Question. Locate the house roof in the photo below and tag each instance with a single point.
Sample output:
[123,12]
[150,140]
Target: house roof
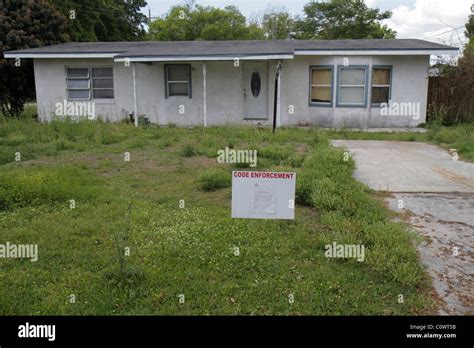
[231,49]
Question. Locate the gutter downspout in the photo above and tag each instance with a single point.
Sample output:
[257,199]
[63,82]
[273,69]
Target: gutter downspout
[135,105]
[204,75]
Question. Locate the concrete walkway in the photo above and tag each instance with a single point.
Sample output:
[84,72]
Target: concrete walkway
[439,194]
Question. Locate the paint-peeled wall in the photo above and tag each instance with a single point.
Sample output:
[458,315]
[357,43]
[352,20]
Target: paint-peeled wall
[224,92]
[224,87]
[50,80]
[409,85]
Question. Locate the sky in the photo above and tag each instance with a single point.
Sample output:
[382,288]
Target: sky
[435,20]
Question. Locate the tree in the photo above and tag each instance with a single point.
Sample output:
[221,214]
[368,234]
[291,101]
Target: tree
[469,48]
[277,24]
[455,87]
[24,24]
[105,20]
[194,22]
[343,19]
[470,27]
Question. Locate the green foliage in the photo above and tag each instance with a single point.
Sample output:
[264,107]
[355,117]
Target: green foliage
[277,24]
[172,248]
[33,185]
[190,23]
[469,32]
[24,24]
[105,20]
[343,19]
[456,91]
[438,115]
[354,217]
[188,150]
[31,138]
[214,179]
[276,153]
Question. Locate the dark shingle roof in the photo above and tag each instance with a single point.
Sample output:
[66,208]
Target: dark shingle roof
[226,48]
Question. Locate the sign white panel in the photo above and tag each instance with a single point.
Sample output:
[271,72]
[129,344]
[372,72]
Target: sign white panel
[263,195]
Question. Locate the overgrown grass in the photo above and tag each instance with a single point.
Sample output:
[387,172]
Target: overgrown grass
[28,186]
[213,179]
[181,237]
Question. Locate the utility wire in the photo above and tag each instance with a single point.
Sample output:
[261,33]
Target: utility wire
[445,32]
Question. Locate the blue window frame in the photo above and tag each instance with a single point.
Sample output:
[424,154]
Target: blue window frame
[352,86]
[381,87]
[321,80]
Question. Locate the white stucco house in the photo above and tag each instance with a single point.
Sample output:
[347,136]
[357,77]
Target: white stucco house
[330,83]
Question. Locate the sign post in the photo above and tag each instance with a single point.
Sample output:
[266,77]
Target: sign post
[263,195]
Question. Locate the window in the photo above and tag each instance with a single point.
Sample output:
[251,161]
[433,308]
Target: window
[102,83]
[352,86]
[78,83]
[89,83]
[321,78]
[178,80]
[381,85]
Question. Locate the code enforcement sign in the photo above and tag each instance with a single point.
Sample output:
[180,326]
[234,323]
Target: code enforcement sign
[263,195]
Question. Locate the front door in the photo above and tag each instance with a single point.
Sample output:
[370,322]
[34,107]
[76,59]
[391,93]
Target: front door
[255,90]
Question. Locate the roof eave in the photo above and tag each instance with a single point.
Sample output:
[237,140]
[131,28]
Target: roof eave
[376,52]
[190,58]
[17,54]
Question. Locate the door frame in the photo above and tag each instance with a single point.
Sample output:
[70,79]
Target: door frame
[267,90]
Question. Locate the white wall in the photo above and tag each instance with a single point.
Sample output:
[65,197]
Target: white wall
[225,92]
[409,84]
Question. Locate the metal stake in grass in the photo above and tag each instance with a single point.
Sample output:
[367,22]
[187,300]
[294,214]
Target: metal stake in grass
[276,95]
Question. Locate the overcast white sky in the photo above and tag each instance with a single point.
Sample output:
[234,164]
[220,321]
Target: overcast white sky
[433,20]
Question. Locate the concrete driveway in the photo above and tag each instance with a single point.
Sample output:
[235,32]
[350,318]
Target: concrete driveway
[439,194]
[399,166]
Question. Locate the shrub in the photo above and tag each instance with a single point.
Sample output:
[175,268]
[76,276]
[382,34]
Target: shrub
[214,179]
[188,151]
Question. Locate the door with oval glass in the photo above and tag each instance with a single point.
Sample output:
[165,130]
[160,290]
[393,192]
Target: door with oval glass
[255,90]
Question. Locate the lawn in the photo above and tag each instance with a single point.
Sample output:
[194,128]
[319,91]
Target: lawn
[190,250]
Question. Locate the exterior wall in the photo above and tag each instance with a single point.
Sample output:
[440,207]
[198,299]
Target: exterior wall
[225,92]
[409,84]
[50,79]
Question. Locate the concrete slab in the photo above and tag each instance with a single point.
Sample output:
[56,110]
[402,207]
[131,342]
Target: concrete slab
[398,166]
